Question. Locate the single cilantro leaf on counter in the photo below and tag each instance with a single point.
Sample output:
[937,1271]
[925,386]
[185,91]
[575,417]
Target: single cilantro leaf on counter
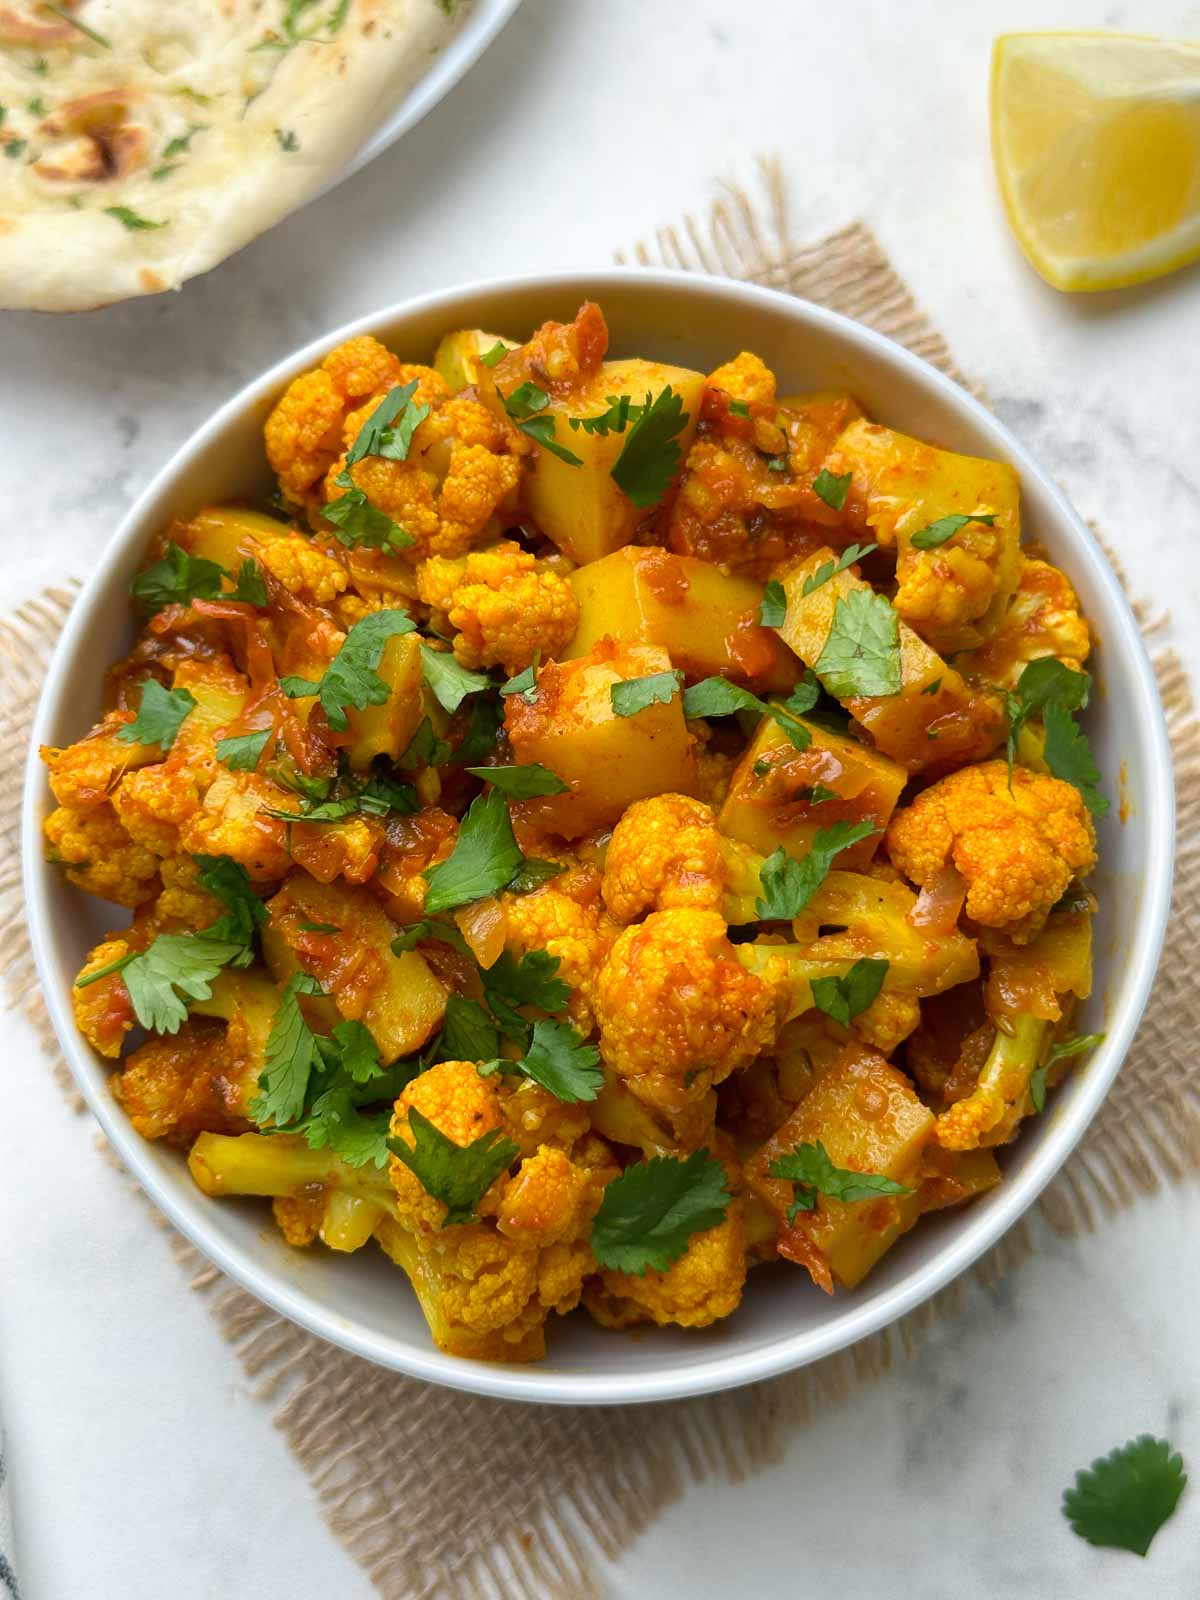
[457,1175]
[523,782]
[1122,1500]
[790,884]
[161,714]
[717,697]
[936,534]
[350,680]
[845,997]
[249,585]
[449,682]
[832,487]
[650,1212]
[830,569]
[651,454]
[808,1166]
[176,579]
[558,1059]
[485,857]
[773,611]
[635,694]
[862,652]
[357,522]
[292,1056]
[1048,689]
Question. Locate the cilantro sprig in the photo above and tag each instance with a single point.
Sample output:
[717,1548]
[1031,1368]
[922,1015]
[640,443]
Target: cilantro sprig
[832,487]
[861,655]
[649,1214]
[809,1167]
[559,1060]
[457,1175]
[387,432]
[1052,691]
[788,884]
[449,682]
[243,751]
[651,453]
[350,680]
[937,533]
[1122,1500]
[636,694]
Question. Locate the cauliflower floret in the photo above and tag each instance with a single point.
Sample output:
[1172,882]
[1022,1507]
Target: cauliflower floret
[1042,620]
[746,378]
[715,773]
[85,773]
[100,856]
[463,1106]
[944,590]
[178,1087]
[503,605]
[664,853]
[183,903]
[703,1286]
[566,920]
[302,569]
[154,804]
[103,1011]
[232,822]
[304,432]
[1018,850]
[677,1010]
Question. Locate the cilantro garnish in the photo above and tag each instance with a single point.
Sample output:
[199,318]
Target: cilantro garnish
[14,148]
[249,585]
[533,873]
[635,694]
[1123,1498]
[130,219]
[861,656]
[523,405]
[350,680]
[832,487]
[161,713]
[81,27]
[468,1033]
[389,429]
[495,355]
[739,408]
[524,682]
[357,522]
[788,884]
[614,420]
[808,1166]
[844,998]
[425,749]
[772,613]
[830,569]
[243,752]
[288,142]
[558,1059]
[182,142]
[717,697]
[485,857]
[523,782]
[457,1175]
[244,911]
[932,688]
[936,534]
[804,696]
[1054,692]
[777,463]
[292,1056]
[176,579]
[649,1214]
[482,731]
[1059,1052]
[531,981]
[450,682]
[650,455]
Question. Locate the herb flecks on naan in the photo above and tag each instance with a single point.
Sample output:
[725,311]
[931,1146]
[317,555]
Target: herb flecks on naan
[143,141]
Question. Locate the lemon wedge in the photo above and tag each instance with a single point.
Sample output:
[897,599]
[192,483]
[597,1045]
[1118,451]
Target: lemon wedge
[1096,140]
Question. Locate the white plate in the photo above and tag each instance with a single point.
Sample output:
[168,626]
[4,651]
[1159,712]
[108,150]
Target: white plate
[362,1303]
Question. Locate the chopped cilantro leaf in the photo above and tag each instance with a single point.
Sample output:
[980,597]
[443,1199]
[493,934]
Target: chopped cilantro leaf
[521,783]
[559,1060]
[808,1166]
[425,749]
[777,463]
[717,697]
[131,221]
[531,981]
[350,680]
[789,885]
[773,610]
[288,142]
[532,874]
[485,857]
[357,522]
[830,569]
[524,406]
[292,1056]
[161,713]
[496,354]
[739,408]
[615,419]
[542,429]
[635,694]
[182,142]
[249,585]
[468,1033]
[457,1175]
[861,656]
[832,487]
[1054,692]
[932,688]
[243,752]
[523,682]
[176,579]
[844,998]
[651,454]
[936,534]
[450,682]
[649,1214]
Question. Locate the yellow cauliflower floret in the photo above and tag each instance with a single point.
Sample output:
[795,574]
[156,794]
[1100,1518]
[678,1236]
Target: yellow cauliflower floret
[85,773]
[155,803]
[547,1200]
[299,1217]
[462,1105]
[566,920]
[174,1088]
[888,1020]
[465,422]
[183,903]
[664,853]
[703,1286]
[1042,620]
[476,485]
[1018,850]
[677,1010]
[302,569]
[747,378]
[100,856]
[714,772]
[948,588]
[103,1013]
[503,605]
[303,434]
[232,822]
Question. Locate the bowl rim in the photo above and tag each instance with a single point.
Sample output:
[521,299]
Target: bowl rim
[979,1229]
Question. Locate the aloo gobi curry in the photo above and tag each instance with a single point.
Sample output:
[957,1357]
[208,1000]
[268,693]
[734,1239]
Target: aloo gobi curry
[600,827]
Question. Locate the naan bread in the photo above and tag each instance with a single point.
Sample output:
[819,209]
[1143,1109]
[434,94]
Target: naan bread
[143,141]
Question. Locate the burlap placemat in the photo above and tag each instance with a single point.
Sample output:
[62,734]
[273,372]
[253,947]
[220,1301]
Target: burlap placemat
[521,1501]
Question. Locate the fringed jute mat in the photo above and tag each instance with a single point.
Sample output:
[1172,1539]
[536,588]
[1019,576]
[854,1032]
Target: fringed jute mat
[514,1501]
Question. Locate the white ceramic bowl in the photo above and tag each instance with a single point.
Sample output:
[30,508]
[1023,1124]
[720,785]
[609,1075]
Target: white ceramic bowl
[361,1302]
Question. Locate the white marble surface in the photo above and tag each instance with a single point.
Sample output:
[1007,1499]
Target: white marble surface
[142,1465]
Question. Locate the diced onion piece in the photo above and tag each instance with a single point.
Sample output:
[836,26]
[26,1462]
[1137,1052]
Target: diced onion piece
[940,901]
[483,926]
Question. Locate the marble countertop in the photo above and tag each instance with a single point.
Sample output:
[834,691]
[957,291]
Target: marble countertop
[142,1465]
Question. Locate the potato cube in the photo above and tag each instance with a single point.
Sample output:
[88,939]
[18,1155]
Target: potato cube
[396,997]
[867,1117]
[706,619]
[955,595]
[220,694]
[581,508]
[457,356]
[386,730]
[771,794]
[608,761]
[936,721]
[227,534]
